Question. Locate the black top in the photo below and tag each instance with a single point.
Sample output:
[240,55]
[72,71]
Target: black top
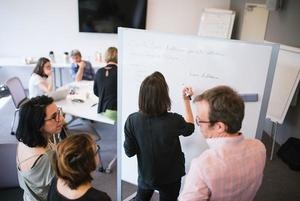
[155,141]
[105,87]
[91,195]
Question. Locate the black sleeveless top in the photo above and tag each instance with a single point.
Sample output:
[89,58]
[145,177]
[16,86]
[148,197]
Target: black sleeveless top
[91,195]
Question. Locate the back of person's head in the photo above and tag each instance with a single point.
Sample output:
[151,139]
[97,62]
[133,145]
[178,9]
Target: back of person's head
[225,105]
[39,68]
[75,53]
[74,160]
[31,121]
[154,97]
[111,55]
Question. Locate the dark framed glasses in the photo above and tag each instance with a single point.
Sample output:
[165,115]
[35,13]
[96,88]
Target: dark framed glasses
[198,121]
[56,116]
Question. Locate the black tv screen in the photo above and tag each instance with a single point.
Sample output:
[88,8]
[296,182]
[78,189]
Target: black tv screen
[104,16]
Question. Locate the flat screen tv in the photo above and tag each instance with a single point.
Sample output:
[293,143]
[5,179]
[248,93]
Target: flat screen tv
[105,16]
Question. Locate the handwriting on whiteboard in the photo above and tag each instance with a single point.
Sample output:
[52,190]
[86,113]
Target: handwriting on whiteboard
[152,49]
[204,75]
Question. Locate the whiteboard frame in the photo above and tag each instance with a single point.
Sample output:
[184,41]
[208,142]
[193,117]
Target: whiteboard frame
[280,119]
[263,109]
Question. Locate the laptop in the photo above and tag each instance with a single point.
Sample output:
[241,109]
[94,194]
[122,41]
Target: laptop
[59,94]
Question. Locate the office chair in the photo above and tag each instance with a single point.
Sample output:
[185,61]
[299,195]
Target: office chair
[18,95]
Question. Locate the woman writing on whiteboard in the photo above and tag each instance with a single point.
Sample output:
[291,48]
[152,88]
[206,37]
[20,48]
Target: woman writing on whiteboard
[105,85]
[40,81]
[152,134]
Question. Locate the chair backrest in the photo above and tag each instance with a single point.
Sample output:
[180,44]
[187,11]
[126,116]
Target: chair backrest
[17,91]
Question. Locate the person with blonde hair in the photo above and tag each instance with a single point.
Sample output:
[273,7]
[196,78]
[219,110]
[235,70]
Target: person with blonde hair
[75,158]
[105,85]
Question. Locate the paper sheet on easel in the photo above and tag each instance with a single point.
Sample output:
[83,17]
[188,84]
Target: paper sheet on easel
[216,23]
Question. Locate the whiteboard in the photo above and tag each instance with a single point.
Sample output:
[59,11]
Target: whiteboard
[216,23]
[286,79]
[194,61]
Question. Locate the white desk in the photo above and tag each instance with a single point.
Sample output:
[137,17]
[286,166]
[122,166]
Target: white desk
[87,109]
[59,65]
[20,62]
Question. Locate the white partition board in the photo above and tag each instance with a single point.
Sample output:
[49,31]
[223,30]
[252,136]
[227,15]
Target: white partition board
[198,62]
[286,79]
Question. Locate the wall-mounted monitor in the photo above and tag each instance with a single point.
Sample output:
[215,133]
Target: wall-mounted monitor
[104,16]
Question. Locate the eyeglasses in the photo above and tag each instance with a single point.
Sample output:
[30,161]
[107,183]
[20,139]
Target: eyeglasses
[97,149]
[198,121]
[56,115]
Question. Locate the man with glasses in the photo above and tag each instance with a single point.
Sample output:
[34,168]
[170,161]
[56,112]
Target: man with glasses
[232,168]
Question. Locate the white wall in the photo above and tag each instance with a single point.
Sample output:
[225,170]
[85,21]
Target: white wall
[34,27]
[179,16]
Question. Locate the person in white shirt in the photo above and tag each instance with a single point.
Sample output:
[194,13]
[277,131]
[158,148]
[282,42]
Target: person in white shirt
[40,82]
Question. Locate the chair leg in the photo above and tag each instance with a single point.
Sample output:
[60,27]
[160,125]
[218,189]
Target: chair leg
[101,167]
[110,165]
[13,123]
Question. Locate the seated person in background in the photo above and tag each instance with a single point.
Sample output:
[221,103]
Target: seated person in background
[75,158]
[105,84]
[39,119]
[80,69]
[40,81]
[232,168]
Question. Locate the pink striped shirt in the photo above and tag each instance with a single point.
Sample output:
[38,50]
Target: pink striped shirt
[231,170]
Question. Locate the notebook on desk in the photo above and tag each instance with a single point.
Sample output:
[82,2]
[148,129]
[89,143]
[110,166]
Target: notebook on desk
[59,94]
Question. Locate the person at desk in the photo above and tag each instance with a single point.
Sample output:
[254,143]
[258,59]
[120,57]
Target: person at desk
[39,119]
[74,160]
[81,69]
[40,81]
[153,135]
[232,168]
[105,85]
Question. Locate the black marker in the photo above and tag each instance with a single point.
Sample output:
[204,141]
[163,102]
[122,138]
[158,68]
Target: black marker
[188,95]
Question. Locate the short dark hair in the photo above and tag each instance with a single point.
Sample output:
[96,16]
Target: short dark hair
[74,160]
[225,105]
[39,68]
[31,119]
[154,97]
